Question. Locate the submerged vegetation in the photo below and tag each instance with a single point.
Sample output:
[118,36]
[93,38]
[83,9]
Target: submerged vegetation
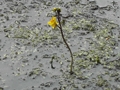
[28,46]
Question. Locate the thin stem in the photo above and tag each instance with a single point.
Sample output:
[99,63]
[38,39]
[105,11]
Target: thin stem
[60,27]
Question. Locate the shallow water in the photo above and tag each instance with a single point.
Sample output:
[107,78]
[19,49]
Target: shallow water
[27,45]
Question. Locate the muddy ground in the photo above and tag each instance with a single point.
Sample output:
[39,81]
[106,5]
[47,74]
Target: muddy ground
[27,45]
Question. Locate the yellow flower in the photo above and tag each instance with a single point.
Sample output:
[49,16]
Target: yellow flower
[53,22]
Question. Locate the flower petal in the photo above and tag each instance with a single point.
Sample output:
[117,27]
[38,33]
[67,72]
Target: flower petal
[53,22]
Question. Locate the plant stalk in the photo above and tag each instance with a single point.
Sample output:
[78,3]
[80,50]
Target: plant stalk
[60,27]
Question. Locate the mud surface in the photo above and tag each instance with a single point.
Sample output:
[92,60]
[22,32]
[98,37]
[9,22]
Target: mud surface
[27,45]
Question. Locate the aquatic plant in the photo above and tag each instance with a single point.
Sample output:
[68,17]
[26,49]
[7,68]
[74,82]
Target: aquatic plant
[56,22]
